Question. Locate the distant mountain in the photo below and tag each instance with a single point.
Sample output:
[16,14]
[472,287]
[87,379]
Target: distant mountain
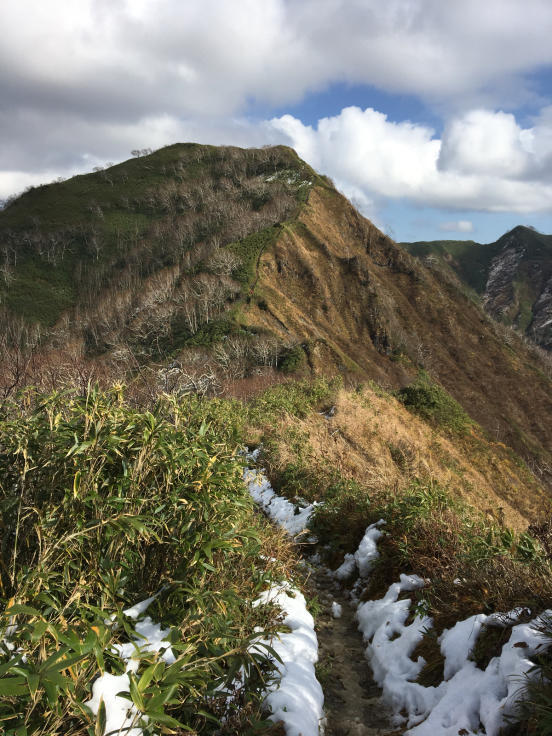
[198,260]
[512,277]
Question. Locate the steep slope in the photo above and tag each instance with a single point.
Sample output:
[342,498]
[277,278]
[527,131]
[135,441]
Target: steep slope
[241,260]
[512,276]
[360,303]
[115,250]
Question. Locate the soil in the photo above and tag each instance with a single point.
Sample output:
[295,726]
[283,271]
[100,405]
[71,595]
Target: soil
[352,700]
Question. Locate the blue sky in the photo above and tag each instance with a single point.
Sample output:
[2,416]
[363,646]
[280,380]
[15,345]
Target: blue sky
[401,219]
[434,117]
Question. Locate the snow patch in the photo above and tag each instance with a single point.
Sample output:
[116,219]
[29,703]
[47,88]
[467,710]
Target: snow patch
[367,552]
[365,556]
[469,698]
[337,610]
[296,698]
[279,509]
[121,714]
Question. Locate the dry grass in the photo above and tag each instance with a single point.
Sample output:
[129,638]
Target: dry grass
[375,441]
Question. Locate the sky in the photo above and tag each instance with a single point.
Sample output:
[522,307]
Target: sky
[434,117]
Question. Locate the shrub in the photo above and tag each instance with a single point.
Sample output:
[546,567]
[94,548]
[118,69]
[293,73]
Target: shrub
[103,505]
[430,401]
[292,359]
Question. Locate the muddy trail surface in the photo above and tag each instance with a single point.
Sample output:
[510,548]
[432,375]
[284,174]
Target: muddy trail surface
[352,700]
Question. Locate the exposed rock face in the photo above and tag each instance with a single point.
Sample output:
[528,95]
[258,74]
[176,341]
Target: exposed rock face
[541,327]
[512,276]
[519,284]
[499,293]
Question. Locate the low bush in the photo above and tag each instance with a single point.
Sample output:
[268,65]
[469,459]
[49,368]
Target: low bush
[296,398]
[431,402]
[103,505]
[292,359]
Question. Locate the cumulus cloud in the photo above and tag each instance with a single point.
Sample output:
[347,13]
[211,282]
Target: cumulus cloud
[82,83]
[485,161]
[458,226]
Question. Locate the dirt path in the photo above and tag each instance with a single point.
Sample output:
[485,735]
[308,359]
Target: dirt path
[351,697]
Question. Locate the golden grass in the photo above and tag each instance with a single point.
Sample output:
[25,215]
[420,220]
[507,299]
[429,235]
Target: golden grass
[374,440]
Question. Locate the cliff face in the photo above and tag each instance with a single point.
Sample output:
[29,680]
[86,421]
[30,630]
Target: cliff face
[511,277]
[518,288]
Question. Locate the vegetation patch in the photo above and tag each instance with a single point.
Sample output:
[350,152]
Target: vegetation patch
[292,359]
[248,250]
[431,402]
[104,505]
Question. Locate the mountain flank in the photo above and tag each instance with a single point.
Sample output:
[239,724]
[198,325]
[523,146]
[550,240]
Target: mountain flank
[511,277]
[162,316]
[229,264]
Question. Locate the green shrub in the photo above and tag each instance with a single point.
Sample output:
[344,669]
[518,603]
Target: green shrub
[291,359]
[101,506]
[430,401]
[296,398]
[249,250]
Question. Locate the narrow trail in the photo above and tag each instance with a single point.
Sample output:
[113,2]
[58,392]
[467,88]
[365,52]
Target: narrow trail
[352,700]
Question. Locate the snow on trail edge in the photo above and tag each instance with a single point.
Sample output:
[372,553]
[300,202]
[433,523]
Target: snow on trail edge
[470,701]
[296,698]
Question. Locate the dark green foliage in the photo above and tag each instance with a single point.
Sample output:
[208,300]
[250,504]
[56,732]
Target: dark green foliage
[249,250]
[430,401]
[209,333]
[292,359]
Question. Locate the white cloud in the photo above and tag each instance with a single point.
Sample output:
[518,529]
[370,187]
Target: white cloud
[484,162]
[458,226]
[210,55]
[485,142]
[85,82]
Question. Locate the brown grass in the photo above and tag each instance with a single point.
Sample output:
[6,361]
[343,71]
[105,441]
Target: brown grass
[374,440]
[370,311]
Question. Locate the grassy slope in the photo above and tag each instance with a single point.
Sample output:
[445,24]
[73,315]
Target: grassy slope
[142,474]
[326,279]
[363,307]
[117,208]
[468,259]
[447,499]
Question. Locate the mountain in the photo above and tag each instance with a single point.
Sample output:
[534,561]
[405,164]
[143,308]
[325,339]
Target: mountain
[192,302]
[512,276]
[197,262]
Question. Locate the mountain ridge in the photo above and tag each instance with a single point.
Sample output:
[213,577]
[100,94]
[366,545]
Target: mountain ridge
[246,261]
[512,276]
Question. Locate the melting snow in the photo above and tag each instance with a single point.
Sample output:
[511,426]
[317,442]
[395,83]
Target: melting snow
[121,714]
[279,509]
[296,698]
[469,699]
